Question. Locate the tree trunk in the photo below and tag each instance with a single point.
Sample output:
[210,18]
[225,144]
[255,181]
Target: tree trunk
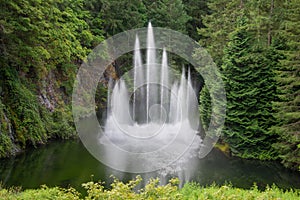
[242,4]
[270,23]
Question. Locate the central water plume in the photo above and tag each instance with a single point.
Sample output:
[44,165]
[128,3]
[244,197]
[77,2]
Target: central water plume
[158,123]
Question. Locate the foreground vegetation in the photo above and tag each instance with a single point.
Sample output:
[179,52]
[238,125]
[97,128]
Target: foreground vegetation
[152,190]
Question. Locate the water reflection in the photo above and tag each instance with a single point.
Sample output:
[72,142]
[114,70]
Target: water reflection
[68,163]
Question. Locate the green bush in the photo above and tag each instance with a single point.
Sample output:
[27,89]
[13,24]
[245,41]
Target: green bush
[152,190]
[43,193]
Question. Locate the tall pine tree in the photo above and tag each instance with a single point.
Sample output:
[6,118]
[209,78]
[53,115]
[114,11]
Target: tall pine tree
[289,78]
[250,89]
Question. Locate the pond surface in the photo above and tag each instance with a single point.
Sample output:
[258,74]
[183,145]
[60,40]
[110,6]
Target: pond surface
[68,163]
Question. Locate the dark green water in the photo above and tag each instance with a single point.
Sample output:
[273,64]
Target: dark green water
[68,163]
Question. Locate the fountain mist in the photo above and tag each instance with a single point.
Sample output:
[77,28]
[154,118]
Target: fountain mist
[157,118]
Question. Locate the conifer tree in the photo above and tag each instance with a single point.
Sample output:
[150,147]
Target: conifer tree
[205,107]
[218,23]
[250,90]
[196,10]
[120,15]
[168,14]
[289,78]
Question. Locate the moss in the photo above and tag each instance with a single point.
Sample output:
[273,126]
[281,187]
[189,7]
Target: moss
[24,108]
[6,144]
[31,122]
[224,147]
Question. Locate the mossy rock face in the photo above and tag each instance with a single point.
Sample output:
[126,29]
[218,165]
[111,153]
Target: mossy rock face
[6,143]
[25,109]
[6,146]
[25,120]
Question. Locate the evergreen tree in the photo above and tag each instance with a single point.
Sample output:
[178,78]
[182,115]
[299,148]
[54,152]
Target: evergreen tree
[250,90]
[168,14]
[120,15]
[196,10]
[265,16]
[205,107]
[218,23]
[289,78]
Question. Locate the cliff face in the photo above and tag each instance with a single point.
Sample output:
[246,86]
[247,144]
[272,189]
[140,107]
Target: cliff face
[33,111]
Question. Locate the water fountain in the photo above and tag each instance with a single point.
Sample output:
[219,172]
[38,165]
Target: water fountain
[157,123]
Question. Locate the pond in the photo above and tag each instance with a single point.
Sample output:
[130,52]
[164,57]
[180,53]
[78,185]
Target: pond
[68,163]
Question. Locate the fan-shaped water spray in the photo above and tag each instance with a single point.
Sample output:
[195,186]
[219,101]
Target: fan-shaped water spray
[158,121]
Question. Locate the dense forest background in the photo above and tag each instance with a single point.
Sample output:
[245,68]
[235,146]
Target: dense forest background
[255,44]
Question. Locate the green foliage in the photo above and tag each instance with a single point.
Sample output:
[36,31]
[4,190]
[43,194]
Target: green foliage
[196,10]
[24,111]
[40,35]
[43,193]
[59,124]
[168,14]
[29,121]
[272,31]
[42,44]
[288,105]
[117,15]
[250,89]
[205,107]
[151,191]
[120,190]
[6,144]
[194,191]
[265,16]
[218,23]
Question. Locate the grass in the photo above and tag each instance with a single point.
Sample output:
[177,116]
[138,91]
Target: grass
[120,190]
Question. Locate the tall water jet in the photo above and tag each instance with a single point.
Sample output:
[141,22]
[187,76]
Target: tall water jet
[120,110]
[173,103]
[164,80]
[109,90]
[151,70]
[181,99]
[138,77]
[190,91]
